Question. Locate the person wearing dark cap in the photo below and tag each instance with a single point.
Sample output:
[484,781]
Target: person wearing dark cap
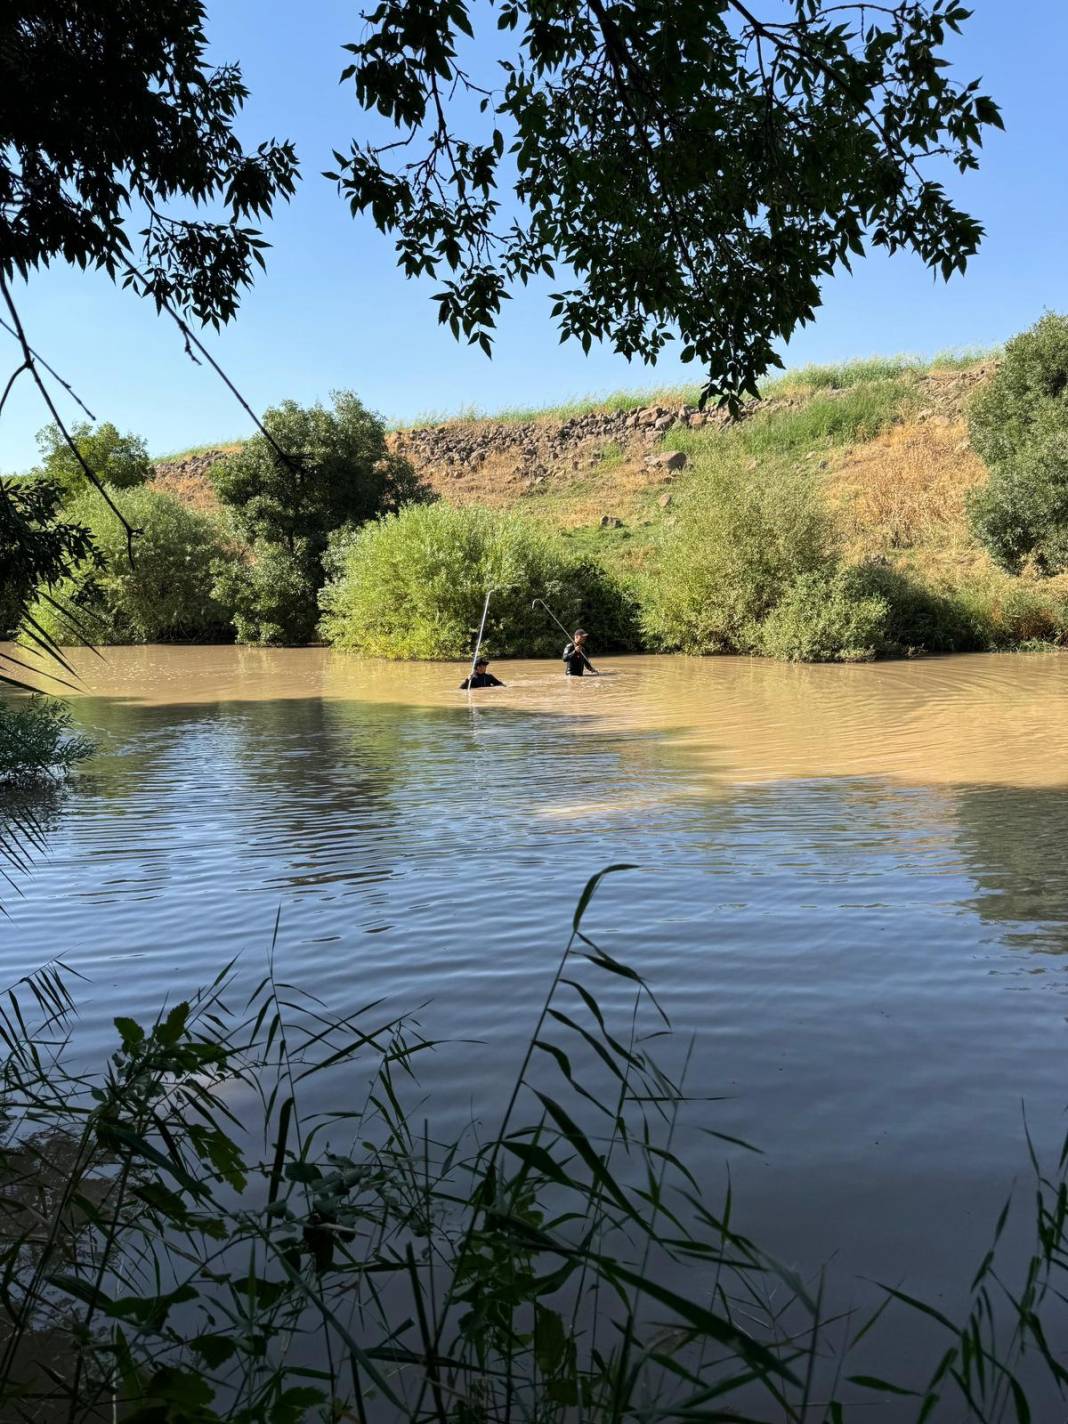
[481,677]
[575,660]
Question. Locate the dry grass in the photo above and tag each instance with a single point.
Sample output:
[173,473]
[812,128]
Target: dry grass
[189,487]
[906,488]
[601,480]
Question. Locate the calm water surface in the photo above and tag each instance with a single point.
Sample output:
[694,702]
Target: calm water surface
[852,886]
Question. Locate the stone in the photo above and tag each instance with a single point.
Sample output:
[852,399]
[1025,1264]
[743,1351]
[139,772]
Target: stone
[609,521]
[664,422]
[664,501]
[666,460]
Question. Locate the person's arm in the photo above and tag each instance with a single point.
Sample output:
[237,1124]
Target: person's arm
[495,681]
[465,684]
[569,652]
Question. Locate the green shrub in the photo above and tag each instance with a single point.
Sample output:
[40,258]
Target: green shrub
[918,619]
[1019,425]
[741,537]
[412,585]
[824,618]
[861,612]
[272,597]
[164,596]
[1006,613]
[36,740]
[118,460]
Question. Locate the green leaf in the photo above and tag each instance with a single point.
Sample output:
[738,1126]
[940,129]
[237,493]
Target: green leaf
[131,1033]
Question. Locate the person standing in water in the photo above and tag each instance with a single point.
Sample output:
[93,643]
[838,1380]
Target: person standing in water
[481,677]
[575,660]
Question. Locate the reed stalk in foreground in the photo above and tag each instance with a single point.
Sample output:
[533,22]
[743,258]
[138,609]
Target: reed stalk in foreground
[185,1241]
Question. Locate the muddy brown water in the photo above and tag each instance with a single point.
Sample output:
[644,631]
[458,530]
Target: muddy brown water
[852,887]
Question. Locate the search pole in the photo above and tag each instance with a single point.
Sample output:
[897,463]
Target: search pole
[478,644]
[566,634]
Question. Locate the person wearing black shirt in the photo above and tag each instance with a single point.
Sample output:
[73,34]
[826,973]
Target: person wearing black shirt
[481,677]
[575,660]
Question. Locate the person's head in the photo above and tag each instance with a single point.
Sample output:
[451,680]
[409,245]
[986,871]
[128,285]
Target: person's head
[481,664]
[581,635]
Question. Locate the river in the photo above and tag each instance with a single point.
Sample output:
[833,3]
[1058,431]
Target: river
[851,887]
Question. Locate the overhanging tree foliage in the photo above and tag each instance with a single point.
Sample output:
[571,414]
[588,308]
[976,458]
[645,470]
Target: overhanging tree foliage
[109,116]
[699,168]
[109,112]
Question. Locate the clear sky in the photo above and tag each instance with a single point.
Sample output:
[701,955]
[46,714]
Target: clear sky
[332,310]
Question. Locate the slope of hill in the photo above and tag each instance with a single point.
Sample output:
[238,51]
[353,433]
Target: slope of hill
[610,466]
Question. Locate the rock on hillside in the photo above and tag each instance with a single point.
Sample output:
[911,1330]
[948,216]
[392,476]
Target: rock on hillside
[608,453]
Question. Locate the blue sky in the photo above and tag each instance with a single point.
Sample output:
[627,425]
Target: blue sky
[332,310]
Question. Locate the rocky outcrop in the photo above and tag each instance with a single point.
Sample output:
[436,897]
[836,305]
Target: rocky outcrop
[188,477]
[535,449]
[499,461]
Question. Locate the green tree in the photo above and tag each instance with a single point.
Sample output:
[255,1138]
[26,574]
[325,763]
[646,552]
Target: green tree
[118,460]
[742,536]
[336,470]
[112,112]
[698,168]
[163,595]
[1019,425]
[38,549]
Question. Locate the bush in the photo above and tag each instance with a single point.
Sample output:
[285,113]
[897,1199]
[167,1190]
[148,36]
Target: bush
[272,598]
[826,618]
[412,585]
[742,536]
[36,740]
[118,460]
[1019,425]
[919,619]
[165,596]
[862,612]
[1007,613]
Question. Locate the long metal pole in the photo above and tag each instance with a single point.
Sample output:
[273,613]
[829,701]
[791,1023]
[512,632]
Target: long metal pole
[566,634]
[478,645]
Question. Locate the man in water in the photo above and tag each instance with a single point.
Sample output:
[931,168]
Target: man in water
[575,660]
[481,677]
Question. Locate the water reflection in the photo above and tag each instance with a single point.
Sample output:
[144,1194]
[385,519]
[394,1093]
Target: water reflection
[1015,846]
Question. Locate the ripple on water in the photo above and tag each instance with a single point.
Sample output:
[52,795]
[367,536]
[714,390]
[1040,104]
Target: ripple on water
[849,877]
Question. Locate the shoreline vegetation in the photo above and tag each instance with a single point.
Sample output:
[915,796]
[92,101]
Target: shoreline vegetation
[846,516]
[187,1239]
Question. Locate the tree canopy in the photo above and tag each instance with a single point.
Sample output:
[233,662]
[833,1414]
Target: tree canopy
[118,460]
[339,470]
[312,472]
[1019,424]
[109,112]
[699,169]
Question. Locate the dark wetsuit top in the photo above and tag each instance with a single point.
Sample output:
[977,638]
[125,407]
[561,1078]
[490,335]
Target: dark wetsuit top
[480,679]
[576,661]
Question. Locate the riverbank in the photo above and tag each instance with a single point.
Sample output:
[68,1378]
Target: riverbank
[874,455]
